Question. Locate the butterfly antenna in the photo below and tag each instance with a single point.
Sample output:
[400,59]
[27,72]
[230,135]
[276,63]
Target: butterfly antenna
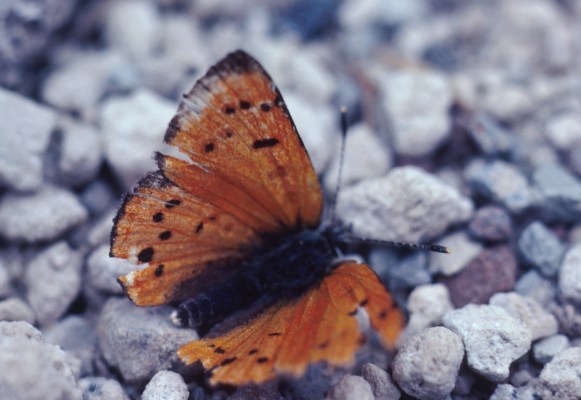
[343,111]
[405,245]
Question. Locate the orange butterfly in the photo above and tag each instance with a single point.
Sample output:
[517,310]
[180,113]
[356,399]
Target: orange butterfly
[238,227]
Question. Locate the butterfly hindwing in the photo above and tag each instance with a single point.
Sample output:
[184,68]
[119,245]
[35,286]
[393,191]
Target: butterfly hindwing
[288,336]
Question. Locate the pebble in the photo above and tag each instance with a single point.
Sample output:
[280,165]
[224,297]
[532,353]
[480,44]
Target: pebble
[540,248]
[490,224]
[427,304]
[417,102]
[15,309]
[493,338]
[133,127]
[351,387]
[41,216]
[99,388]
[357,14]
[26,130]
[5,281]
[570,275]
[493,270]
[81,154]
[464,250]
[560,194]
[79,85]
[311,76]
[53,281]
[165,384]
[500,182]
[407,272]
[366,156]
[406,205]
[540,322]
[142,36]
[569,319]
[492,139]
[546,349]
[427,364]
[561,378]
[138,342]
[503,99]
[102,270]
[23,350]
[532,284]
[382,384]
[564,131]
[98,197]
[77,337]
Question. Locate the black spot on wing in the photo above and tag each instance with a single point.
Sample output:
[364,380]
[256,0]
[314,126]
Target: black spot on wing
[261,360]
[228,361]
[145,255]
[165,235]
[263,143]
[229,110]
[274,334]
[219,350]
[158,217]
[209,147]
[172,203]
[199,227]
[245,105]
[253,351]
[159,270]
[265,107]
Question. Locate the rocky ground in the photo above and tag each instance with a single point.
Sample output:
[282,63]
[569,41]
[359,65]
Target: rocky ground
[465,131]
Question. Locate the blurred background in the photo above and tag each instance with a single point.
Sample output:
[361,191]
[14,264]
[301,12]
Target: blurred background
[484,97]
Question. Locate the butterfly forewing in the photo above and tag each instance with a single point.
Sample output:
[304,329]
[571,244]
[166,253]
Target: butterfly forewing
[286,337]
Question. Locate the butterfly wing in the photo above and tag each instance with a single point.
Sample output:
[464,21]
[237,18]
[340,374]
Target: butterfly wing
[248,175]
[287,336]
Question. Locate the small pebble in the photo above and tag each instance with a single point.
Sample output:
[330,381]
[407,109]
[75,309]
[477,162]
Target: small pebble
[53,281]
[81,154]
[570,275]
[26,129]
[527,310]
[540,248]
[14,309]
[464,250]
[381,383]
[427,364]
[99,388]
[406,205]
[103,271]
[426,305]
[165,385]
[493,339]
[544,350]
[561,378]
[560,194]
[535,286]
[41,216]
[491,223]
[351,387]
[491,138]
[417,102]
[501,182]
[564,131]
[494,270]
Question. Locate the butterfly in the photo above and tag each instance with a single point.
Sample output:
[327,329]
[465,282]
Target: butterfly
[235,227]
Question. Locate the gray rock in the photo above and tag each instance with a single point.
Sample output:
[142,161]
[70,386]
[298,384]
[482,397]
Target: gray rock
[540,248]
[5,282]
[138,39]
[493,339]
[408,272]
[267,391]
[527,310]
[133,128]
[358,15]
[102,270]
[138,342]
[366,156]
[561,377]
[570,275]
[26,129]
[504,392]
[560,193]
[76,336]
[544,350]
[98,197]
[464,250]
[408,205]
[14,309]
[81,154]
[490,137]
[569,319]
[534,285]
[491,223]
[426,305]
[25,30]
[417,102]
[351,387]
[166,384]
[53,281]
[99,388]
[42,216]
[564,131]
[501,182]
[32,369]
[381,383]
[427,364]
[80,84]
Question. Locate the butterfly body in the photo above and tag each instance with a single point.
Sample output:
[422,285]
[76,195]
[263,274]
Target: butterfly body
[236,226]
